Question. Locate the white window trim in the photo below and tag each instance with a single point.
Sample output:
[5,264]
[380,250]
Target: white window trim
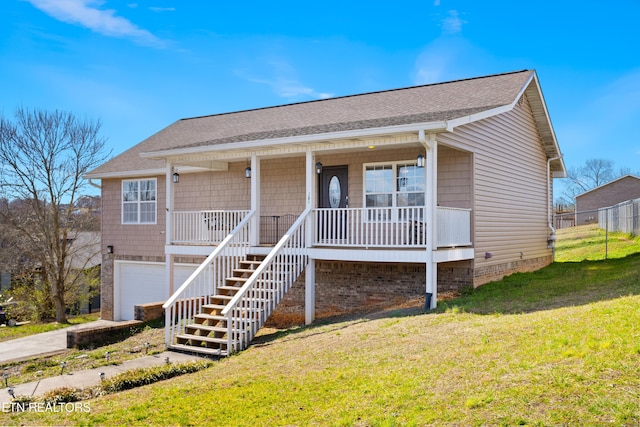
[122,202]
[394,193]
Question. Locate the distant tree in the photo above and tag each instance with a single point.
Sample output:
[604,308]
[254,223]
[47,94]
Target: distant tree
[43,157]
[594,173]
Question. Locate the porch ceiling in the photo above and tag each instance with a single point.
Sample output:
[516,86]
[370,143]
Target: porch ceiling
[219,155]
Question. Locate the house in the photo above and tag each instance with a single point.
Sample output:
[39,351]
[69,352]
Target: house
[619,190]
[327,206]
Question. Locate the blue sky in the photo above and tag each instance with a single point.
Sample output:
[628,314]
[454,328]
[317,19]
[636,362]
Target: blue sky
[138,67]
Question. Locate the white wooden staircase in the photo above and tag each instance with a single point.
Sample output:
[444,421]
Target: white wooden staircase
[208,332]
[223,304]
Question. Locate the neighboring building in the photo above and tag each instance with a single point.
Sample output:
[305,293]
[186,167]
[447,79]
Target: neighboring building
[86,256]
[609,194]
[391,195]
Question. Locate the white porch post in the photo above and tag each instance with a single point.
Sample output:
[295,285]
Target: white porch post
[431,201]
[254,237]
[310,268]
[169,203]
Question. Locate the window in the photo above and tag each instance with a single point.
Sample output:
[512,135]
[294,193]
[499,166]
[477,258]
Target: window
[139,201]
[398,184]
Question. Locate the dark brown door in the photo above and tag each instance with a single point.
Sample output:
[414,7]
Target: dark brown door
[333,187]
[333,193]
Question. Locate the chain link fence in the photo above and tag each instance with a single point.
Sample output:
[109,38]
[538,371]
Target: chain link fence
[621,218]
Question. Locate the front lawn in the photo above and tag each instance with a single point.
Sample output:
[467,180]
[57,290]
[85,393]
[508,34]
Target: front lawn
[560,346]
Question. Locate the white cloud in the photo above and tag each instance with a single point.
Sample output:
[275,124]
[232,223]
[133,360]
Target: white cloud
[452,24]
[162,9]
[448,58]
[86,14]
[286,84]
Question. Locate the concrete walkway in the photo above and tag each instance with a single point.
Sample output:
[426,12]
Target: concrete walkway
[53,342]
[91,377]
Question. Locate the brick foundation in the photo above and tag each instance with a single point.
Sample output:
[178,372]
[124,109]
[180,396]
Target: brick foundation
[490,273]
[343,287]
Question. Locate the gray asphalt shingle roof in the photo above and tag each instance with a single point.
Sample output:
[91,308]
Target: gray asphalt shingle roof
[418,104]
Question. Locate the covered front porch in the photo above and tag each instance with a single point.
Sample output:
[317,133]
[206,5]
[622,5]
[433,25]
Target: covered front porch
[374,200]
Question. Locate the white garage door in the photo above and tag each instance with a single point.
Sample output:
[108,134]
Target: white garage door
[141,283]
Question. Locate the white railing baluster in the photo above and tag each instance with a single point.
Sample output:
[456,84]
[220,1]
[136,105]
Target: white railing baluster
[266,287]
[389,227]
[203,227]
[185,303]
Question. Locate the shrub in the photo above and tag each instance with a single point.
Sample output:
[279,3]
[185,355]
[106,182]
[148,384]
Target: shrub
[144,376]
[62,395]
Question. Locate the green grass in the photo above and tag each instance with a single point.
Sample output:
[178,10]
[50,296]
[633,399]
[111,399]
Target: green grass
[9,333]
[587,242]
[560,346]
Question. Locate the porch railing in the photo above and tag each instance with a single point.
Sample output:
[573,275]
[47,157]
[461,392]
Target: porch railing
[454,227]
[197,290]
[390,227]
[263,291]
[204,227]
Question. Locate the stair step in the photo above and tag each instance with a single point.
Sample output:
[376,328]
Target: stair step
[236,279]
[209,316]
[244,270]
[218,317]
[197,349]
[213,306]
[201,338]
[228,288]
[250,263]
[209,329]
[222,297]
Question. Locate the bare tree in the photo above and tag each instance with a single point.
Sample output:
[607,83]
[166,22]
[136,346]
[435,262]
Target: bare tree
[44,155]
[594,173]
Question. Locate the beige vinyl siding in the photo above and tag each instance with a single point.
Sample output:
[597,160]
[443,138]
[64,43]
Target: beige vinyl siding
[135,240]
[509,185]
[454,178]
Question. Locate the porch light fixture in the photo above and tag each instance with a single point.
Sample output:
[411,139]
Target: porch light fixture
[420,161]
[176,177]
[247,172]
[318,168]
[110,249]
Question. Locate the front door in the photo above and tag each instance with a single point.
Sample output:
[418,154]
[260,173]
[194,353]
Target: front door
[333,194]
[333,187]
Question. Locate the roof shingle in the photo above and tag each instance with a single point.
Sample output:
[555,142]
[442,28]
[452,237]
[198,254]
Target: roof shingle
[418,104]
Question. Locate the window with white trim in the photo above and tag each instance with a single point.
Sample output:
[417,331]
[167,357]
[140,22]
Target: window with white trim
[393,185]
[139,204]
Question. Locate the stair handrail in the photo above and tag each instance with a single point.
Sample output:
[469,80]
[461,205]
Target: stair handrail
[295,230]
[168,306]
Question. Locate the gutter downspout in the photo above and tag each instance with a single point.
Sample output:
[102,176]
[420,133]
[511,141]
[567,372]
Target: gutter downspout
[93,184]
[551,242]
[431,150]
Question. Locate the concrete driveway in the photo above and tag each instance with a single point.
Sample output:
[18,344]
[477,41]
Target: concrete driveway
[40,344]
